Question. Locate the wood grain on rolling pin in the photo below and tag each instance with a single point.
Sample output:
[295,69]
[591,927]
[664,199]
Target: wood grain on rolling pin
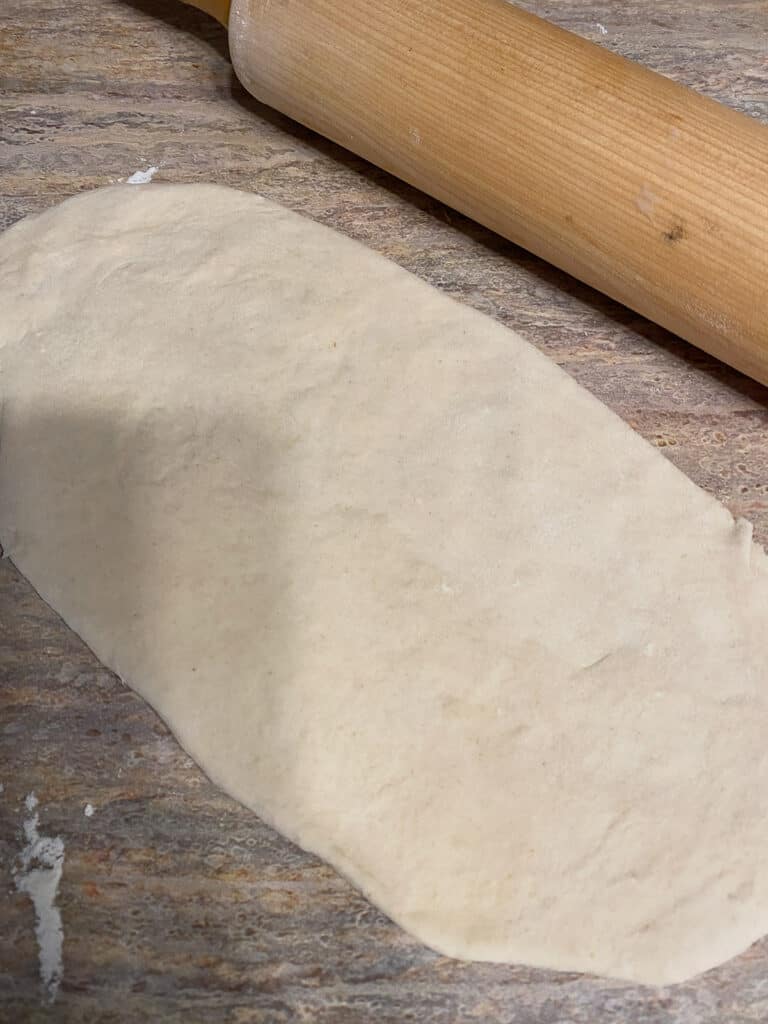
[638,186]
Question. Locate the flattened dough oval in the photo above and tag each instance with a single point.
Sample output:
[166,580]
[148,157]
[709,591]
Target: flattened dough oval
[395,581]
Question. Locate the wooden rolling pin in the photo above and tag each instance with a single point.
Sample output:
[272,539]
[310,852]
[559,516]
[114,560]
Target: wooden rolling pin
[642,188]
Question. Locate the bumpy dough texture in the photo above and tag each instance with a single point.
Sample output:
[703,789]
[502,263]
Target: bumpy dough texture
[395,581]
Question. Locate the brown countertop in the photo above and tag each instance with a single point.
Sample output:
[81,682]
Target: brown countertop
[176,903]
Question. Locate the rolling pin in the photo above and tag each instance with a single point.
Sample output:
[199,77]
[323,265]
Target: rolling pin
[638,186]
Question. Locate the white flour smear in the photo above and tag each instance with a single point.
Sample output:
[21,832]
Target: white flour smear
[39,874]
[142,177]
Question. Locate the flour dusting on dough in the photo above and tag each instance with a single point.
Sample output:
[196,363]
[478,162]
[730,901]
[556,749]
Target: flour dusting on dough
[38,875]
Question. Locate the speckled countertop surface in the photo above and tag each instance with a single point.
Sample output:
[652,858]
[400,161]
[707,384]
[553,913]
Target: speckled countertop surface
[177,904]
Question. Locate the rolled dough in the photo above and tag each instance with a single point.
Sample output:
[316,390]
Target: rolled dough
[394,580]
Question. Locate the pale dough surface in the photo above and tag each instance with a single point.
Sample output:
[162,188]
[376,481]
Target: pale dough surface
[396,582]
